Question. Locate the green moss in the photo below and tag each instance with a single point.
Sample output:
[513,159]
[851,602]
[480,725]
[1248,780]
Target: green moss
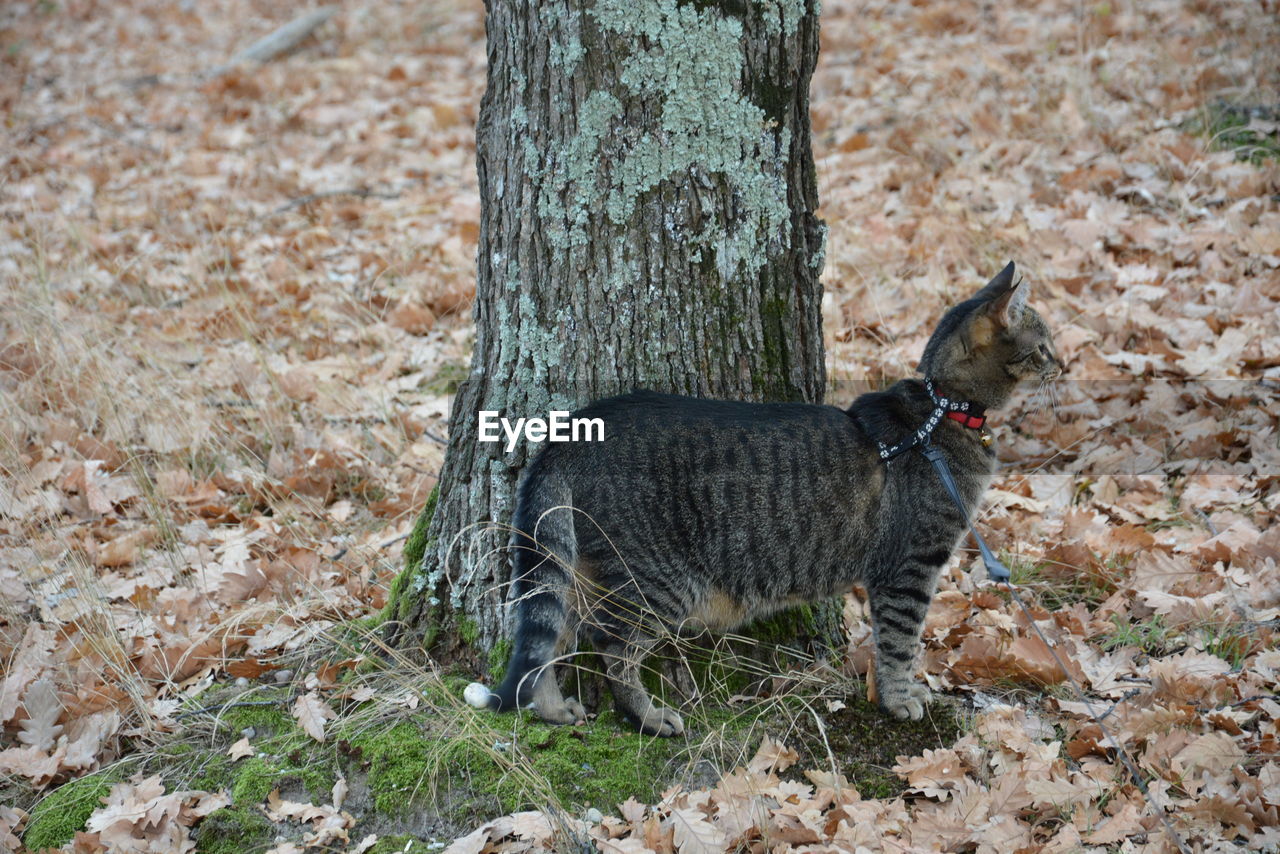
[399,760]
[1232,127]
[447,379]
[412,580]
[416,546]
[281,763]
[233,831]
[598,765]
[216,772]
[64,811]
[468,630]
[255,779]
[452,684]
[487,771]
[818,626]
[498,658]
[264,720]
[720,668]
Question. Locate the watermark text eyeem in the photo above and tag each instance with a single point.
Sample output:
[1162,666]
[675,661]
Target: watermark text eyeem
[556,427]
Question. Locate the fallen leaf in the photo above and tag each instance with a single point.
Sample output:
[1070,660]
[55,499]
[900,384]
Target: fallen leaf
[311,712]
[772,756]
[694,834]
[241,749]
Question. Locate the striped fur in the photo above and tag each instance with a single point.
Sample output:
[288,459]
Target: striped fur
[706,514]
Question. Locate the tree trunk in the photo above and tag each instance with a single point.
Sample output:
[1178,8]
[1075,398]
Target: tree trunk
[647,220]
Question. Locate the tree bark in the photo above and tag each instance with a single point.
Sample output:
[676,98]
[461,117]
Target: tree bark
[647,220]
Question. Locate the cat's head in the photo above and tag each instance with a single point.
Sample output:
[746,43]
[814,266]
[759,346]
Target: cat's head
[989,343]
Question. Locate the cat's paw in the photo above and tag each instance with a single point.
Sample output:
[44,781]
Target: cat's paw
[662,722]
[566,712]
[576,709]
[906,702]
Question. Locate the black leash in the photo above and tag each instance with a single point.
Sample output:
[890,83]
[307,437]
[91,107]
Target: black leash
[999,573]
[996,570]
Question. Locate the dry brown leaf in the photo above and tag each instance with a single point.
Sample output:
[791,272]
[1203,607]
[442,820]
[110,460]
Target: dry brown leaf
[1123,824]
[124,549]
[414,319]
[41,729]
[311,712]
[33,655]
[85,736]
[694,834]
[339,793]
[632,810]
[31,762]
[138,816]
[473,843]
[12,821]
[1215,752]
[772,756]
[935,773]
[1061,793]
[627,845]
[241,749]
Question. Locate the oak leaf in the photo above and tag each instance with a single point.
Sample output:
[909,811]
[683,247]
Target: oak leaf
[772,756]
[694,834]
[1123,824]
[311,712]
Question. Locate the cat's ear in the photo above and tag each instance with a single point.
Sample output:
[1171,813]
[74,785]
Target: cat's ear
[1007,307]
[1001,283]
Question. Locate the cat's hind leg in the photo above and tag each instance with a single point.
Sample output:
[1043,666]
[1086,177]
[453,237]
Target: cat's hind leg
[897,616]
[548,700]
[623,653]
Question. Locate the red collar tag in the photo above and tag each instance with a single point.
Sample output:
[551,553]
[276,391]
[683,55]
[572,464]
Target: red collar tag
[973,422]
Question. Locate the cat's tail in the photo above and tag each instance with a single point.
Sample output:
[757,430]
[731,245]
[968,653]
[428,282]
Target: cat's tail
[544,551]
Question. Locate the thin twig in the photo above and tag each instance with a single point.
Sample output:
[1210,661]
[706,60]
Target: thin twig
[1129,695]
[439,440]
[388,544]
[1204,517]
[1156,808]
[358,192]
[280,40]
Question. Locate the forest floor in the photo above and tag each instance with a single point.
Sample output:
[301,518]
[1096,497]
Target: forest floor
[234,304]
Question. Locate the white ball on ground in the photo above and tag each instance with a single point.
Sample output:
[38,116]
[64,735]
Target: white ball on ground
[476,695]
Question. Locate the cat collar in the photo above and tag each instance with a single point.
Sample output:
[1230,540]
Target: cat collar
[965,412]
[972,416]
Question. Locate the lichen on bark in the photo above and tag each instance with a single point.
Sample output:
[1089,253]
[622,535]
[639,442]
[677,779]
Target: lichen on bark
[688,59]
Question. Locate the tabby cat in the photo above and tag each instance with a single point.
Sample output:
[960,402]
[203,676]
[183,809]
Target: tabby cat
[705,514]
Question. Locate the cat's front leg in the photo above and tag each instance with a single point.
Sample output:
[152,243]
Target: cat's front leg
[897,616]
